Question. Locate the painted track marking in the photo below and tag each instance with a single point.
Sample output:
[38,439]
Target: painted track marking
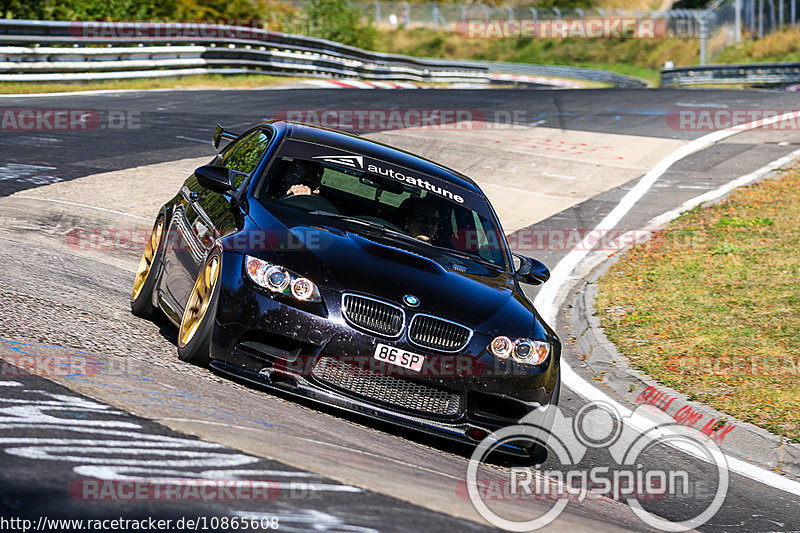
[547,301]
[84,205]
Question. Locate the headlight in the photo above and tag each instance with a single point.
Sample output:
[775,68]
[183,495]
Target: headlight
[278,279]
[501,347]
[527,351]
[303,288]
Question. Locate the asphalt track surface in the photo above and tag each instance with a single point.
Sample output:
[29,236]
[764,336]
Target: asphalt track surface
[174,125]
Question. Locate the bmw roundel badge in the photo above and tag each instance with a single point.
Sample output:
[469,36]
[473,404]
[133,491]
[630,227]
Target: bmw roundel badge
[410,300]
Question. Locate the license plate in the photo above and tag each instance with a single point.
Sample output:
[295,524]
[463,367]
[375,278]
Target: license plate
[399,357]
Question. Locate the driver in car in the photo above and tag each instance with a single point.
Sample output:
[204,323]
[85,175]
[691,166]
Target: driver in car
[303,177]
[420,218]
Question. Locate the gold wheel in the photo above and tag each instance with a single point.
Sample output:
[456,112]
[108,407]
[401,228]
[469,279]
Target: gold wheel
[146,263]
[199,300]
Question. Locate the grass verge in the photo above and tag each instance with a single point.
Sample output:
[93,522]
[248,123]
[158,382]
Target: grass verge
[711,307]
[641,58]
[633,57]
[208,81]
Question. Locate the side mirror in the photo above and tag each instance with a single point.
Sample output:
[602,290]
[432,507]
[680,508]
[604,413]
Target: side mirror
[218,179]
[531,271]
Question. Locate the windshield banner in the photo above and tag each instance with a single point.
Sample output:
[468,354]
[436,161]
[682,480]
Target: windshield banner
[359,163]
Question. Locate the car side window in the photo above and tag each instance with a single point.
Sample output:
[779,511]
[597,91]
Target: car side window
[245,155]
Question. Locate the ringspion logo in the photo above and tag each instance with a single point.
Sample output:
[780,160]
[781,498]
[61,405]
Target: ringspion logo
[625,476]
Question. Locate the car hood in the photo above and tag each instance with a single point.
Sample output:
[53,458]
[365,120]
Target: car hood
[341,260]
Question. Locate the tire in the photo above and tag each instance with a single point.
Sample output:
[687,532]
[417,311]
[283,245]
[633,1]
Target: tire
[197,322]
[147,274]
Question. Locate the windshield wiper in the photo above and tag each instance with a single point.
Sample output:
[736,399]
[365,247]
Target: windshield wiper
[466,255]
[369,223]
[393,232]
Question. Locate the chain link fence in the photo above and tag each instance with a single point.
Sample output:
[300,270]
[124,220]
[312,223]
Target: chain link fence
[758,17]
[721,24]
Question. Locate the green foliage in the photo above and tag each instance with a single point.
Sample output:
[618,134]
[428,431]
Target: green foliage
[273,12]
[725,248]
[564,4]
[87,9]
[276,11]
[336,21]
[745,222]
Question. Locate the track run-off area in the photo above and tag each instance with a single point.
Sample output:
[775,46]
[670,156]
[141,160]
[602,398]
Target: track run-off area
[109,400]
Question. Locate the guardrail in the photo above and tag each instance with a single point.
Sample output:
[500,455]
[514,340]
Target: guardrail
[749,74]
[558,71]
[32,50]
[55,50]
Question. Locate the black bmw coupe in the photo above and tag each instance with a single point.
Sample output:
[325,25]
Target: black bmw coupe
[355,274]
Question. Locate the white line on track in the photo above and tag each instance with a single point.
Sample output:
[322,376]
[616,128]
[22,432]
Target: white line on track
[204,141]
[320,487]
[719,192]
[562,176]
[112,92]
[548,302]
[83,205]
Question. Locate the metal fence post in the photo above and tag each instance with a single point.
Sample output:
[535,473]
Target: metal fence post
[437,18]
[738,7]
[701,19]
[772,23]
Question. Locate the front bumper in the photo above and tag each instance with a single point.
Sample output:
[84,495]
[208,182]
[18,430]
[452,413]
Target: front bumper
[277,343]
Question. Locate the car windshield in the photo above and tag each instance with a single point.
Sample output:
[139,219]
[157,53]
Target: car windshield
[375,197]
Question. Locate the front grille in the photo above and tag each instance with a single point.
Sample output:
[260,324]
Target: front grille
[439,334]
[373,315]
[404,393]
